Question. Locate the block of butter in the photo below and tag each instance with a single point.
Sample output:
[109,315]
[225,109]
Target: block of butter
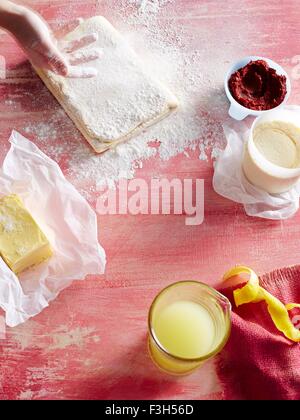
[22,243]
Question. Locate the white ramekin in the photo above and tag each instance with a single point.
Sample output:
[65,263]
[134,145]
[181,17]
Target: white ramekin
[261,172]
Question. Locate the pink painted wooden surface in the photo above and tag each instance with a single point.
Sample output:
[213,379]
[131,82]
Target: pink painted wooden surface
[91,342]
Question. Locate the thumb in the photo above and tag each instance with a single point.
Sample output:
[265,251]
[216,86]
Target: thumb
[57,62]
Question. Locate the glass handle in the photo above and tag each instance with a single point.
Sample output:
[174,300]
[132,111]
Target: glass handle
[225,304]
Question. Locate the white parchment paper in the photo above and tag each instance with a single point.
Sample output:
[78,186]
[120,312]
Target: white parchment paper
[64,216]
[230,182]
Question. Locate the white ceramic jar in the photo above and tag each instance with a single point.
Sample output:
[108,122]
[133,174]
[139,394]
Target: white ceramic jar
[263,172]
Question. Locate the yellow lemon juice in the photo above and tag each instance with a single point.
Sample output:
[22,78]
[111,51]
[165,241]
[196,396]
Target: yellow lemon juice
[185,329]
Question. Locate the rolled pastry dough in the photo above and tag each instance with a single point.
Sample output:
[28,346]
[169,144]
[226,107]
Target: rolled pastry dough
[122,100]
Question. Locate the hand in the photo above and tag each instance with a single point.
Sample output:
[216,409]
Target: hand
[41,47]
[35,38]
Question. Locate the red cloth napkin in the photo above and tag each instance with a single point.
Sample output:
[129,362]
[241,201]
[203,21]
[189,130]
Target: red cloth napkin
[259,363]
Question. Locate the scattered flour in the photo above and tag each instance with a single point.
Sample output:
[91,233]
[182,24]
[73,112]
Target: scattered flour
[172,55]
[149,6]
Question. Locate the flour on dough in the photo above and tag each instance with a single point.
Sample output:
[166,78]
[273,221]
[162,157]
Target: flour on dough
[121,100]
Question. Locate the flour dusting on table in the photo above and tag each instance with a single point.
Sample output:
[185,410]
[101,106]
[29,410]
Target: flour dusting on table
[172,55]
[149,6]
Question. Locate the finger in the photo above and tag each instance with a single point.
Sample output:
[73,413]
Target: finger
[70,46]
[84,56]
[57,62]
[77,72]
[52,63]
[69,27]
[59,67]
[46,55]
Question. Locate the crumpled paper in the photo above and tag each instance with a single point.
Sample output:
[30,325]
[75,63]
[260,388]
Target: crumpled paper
[230,182]
[65,217]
